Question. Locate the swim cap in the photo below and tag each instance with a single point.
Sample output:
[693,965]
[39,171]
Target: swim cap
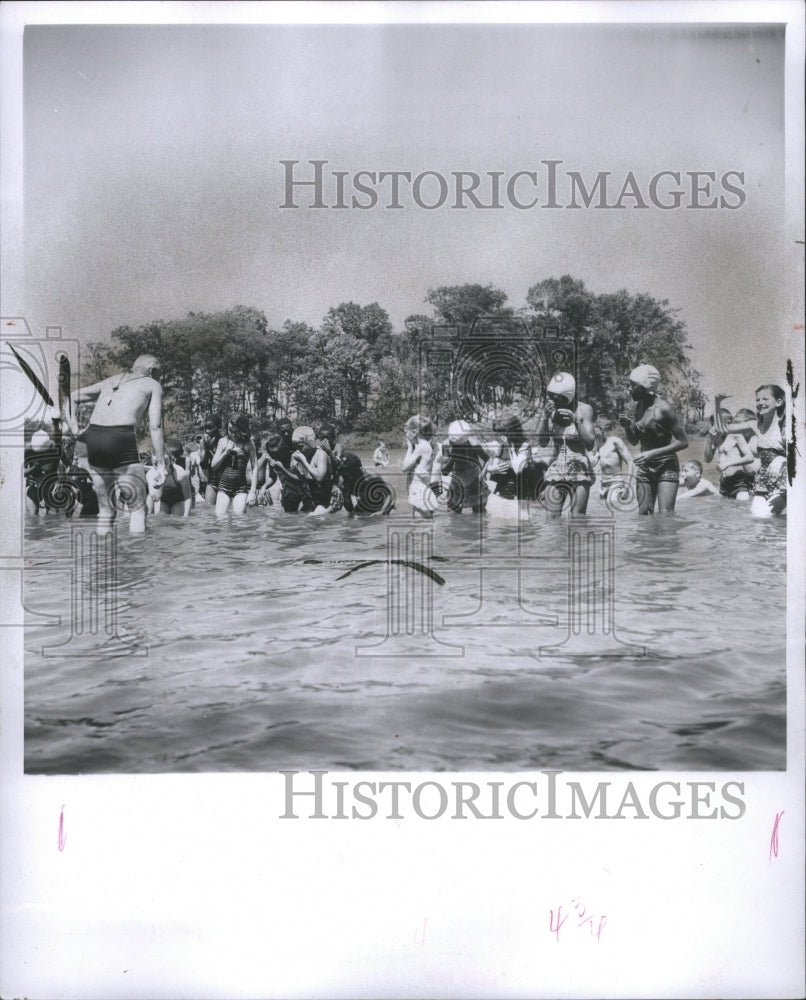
[304,435]
[458,431]
[562,384]
[647,376]
[40,441]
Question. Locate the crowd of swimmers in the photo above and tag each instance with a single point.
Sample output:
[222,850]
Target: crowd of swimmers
[554,463]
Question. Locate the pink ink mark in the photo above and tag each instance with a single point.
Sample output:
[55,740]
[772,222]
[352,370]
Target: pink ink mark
[422,936]
[583,918]
[62,834]
[555,925]
[774,837]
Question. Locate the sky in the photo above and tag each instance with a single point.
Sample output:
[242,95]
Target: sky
[153,181]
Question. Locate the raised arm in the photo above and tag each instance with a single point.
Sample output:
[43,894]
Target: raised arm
[88,393]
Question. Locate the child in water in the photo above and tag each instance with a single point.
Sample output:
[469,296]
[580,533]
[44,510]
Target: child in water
[465,461]
[171,493]
[692,483]
[418,463]
[609,456]
[734,459]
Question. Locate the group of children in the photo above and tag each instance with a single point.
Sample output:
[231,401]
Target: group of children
[502,471]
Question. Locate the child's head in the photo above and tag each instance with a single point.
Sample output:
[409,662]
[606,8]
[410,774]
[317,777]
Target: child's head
[770,397]
[173,446]
[419,426]
[691,473]
[273,445]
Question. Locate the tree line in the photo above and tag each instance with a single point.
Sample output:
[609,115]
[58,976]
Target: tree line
[357,372]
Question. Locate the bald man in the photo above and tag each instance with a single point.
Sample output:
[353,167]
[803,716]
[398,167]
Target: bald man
[121,402]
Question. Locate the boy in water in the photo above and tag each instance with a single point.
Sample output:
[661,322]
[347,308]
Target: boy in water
[693,485]
[609,456]
[734,459]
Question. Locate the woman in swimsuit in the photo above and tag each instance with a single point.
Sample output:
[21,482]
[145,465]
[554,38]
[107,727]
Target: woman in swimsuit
[234,452]
[568,426]
[657,428]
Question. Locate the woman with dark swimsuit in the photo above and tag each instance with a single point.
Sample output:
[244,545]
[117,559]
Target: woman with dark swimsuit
[657,428]
[233,454]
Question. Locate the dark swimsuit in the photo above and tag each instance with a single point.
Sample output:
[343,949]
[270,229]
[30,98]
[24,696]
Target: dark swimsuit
[232,480]
[737,482]
[171,490]
[464,463]
[111,447]
[665,469]
[207,475]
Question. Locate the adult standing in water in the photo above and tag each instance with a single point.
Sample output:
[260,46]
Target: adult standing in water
[567,425]
[657,428]
[121,402]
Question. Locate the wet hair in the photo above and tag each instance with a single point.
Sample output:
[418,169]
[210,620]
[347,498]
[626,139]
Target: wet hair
[327,432]
[778,395]
[273,444]
[174,446]
[422,425]
[351,469]
[213,422]
[284,422]
[694,464]
[241,424]
[512,430]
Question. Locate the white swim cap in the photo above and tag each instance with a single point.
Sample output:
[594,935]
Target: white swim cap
[562,384]
[40,441]
[459,431]
[647,376]
[303,435]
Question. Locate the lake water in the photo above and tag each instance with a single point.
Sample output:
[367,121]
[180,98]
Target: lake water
[238,648]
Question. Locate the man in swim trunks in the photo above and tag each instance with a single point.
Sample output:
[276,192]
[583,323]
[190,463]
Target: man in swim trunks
[121,402]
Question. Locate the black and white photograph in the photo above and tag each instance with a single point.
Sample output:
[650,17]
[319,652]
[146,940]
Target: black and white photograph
[402,426]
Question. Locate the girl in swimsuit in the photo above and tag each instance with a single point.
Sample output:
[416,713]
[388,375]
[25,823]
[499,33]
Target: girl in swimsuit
[657,428]
[569,428]
[234,452]
[418,463]
[313,463]
[769,488]
[173,496]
